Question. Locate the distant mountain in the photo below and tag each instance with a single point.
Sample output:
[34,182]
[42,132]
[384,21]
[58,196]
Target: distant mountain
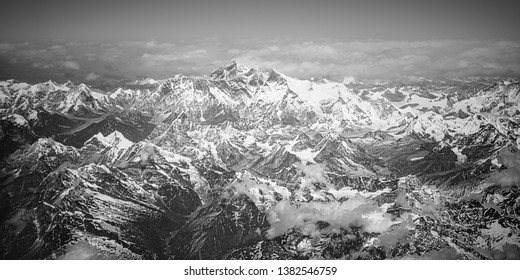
[249,163]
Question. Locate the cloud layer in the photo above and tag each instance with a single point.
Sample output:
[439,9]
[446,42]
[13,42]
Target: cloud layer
[368,59]
[388,59]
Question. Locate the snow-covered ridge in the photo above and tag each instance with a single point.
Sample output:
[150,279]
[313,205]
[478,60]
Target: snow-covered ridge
[266,95]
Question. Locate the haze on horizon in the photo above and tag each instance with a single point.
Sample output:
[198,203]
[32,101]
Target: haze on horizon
[112,40]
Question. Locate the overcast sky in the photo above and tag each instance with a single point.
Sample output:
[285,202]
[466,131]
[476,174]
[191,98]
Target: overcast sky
[112,39]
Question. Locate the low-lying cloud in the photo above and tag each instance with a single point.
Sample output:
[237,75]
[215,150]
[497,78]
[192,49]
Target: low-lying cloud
[357,211]
[510,158]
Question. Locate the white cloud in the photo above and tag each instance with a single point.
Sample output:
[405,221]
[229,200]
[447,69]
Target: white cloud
[56,48]
[4,47]
[181,55]
[111,54]
[510,158]
[368,59]
[313,173]
[81,251]
[91,76]
[385,59]
[41,65]
[152,44]
[356,211]
[70,64]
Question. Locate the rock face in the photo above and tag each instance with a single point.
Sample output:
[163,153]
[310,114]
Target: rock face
[218,228]
[249,163]
[14,133]
[75,195]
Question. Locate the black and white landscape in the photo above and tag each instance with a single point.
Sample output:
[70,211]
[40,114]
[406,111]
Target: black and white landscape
[253,164]
[304,149]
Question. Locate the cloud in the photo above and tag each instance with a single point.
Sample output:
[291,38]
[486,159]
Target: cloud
[174,56]
[375,59]
[357,211]
[367,59]
[447,253]
[510,158]
[91,76]
[151,45]
[4,47]
[41,65]
[313,174]
[111,54]
[82,251]
[397,234]
[70,64]
[146,154]
[508,177]
[57,48]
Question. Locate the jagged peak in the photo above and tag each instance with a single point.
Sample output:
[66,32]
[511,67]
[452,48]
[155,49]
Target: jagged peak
[48,86]
[11,81]
[349,80]
[69,84]
[51,83]
[229,70]
[234,64]
[46,145]
[176,80]
[83,87]
[115,138]
[144,81]
[331,137]
[120,91]
[16,85]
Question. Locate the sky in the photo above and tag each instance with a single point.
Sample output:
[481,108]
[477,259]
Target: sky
[98,41]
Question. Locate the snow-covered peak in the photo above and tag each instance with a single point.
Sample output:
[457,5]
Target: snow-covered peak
[143,82]
[16,86]
[45,146]
[69,84]
[349,80]
[84,88]
[81,100]
[122,93]
[314,93]
[53,86]
[229,71]
[114,139]
[6,83]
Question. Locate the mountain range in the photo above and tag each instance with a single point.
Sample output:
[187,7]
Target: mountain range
[249,163]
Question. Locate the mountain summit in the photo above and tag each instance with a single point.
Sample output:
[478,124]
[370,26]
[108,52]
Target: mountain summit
[229,71]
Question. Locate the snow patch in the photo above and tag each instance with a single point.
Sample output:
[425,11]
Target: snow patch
[17,120]
[114,139]
[249,140]
[461,158]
